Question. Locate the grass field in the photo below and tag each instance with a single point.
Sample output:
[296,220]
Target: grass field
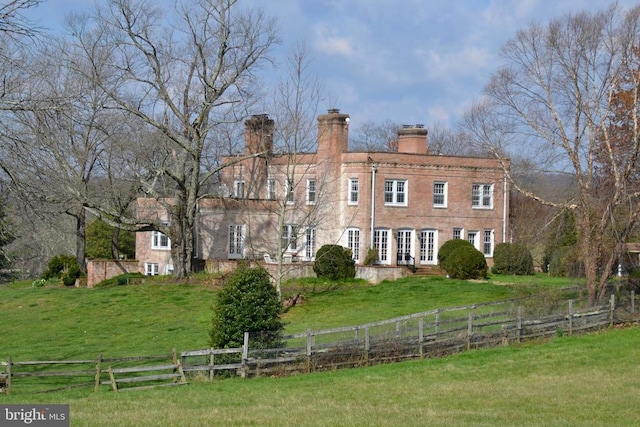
[58,323]
[587,380]
[572,381]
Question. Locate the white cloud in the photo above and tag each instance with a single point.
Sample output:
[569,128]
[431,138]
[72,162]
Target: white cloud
[328,41]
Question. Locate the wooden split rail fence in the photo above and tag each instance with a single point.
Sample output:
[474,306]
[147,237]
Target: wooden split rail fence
[122,374]
[428,334]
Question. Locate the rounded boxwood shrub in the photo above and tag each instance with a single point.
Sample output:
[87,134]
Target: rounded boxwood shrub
[334,262]
[466,262]
[512,258]
[448,247]
[247,302]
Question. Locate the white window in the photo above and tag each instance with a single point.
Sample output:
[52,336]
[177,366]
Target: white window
[271,189]
[381,244]
[458,233]
[238,189]
[405,248]
[440,194]
[354,190]
[482,196]
[395,192]
[289,191]
[236,242]
[150,269]
[428,245]
[311,191]
[290,238]
[353,243]
[310,243]
[487,243]
[160,241]
[169,269]
[472,237]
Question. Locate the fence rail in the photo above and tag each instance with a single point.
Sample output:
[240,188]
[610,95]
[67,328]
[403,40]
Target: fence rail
[427,334]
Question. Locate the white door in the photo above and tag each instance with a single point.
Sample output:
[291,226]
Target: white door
[381,243]
[236,242]
[428,244]
[404,246]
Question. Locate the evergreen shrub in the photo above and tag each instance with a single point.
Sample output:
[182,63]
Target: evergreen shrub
[512,258]
[247,302]
[466,262]
[448,247]
[334,262]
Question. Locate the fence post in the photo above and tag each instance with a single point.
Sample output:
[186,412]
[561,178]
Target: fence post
[98,371]
[366,345]
[469,330]
[570,317]
[308,350]
[9,374]
[437,321]
[519,324]
[633,302]
[612,302]
[245,355]
[212,363]
[421,336]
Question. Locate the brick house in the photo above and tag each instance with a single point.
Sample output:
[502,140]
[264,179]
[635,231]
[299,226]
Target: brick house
[290,205]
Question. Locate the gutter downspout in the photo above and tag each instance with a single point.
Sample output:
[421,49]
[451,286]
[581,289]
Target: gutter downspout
[504,208]
[373,201]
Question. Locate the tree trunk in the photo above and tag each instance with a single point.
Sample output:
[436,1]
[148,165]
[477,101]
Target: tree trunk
[81,243]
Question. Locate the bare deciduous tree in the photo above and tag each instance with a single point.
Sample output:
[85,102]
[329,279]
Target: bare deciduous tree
[553,100]
[183,78]
[372,136]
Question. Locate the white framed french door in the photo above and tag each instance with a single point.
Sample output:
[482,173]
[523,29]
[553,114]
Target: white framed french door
[236,242]
[381,244]
[404,239]
[428,247]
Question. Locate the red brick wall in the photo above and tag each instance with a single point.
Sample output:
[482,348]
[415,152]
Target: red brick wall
[99,270]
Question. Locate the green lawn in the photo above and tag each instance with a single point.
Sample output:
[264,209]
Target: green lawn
[58,323]
[587,380]
[571,381]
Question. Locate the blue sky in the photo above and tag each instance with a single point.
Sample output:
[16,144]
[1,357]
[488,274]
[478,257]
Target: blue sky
[408,61]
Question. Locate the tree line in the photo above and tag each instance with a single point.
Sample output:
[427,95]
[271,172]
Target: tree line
[133,100]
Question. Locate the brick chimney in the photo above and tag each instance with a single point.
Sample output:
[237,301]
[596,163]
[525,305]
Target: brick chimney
[258,134]
[413,140]
[258,138]
[333,135]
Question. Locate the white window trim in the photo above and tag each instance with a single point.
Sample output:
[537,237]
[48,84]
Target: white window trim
[426,261]
[309,244]
[151,269]
[476,240]
[353,243]
[350,201]
[289,233]
[157,236]
[314,192]
[237,228]
[491,242]
[481,191]
[290,192]
[386,231]
[453,233]
[409,241]
[238,189]
[445,188]
[394,201]
[271,188]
